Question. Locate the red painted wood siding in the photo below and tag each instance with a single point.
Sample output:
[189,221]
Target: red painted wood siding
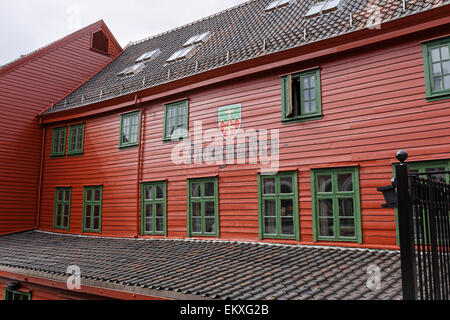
[39,292]
[373,105]
[25,91]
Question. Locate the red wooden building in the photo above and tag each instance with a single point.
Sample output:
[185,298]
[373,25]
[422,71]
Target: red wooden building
[270,122]
[27,86]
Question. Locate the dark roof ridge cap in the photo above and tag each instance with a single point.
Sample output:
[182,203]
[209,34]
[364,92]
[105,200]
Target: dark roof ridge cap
[132,43]
[265,244]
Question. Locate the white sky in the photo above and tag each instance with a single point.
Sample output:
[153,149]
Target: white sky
[26,25]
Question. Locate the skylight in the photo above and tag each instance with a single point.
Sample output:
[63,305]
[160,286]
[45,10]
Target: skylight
[131,71]
[148,55]
[181,54]
[198,39]
[331,5]
[278,4]
[323,7]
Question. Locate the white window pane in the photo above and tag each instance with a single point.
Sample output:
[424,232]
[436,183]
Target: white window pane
[437,83]
[437,69]
[435,56]
[445,53]
[306,95]
[446,67]
[306,107]
[312,82]
[447,82]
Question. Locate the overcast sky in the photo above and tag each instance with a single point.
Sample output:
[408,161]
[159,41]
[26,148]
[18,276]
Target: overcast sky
[26,25]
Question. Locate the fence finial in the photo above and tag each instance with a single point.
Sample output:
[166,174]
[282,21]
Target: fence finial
[401,156]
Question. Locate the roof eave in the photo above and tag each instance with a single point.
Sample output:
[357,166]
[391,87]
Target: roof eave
[93,287]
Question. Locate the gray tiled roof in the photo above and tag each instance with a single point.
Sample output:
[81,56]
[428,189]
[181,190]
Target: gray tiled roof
[238,34]
[213,269]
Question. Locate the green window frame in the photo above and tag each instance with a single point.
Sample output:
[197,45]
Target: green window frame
[278,206]
[436,61]
[336,204]
[129,129]
[61,217]
[13,295]
[301,96]
[203,207]
[59,142]
[154,208]
[423,167]
[92,209]
[176,117]
[76,139]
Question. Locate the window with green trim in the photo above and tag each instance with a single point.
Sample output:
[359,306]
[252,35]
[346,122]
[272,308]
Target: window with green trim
[425,167]
[59,141]
[203,207]
[154,204]
[16,295]
[278,206]
[92,209]
[76,139]
[336,205]
[437,68]
[301,96]
[176,120]
[129,130]
[61,218]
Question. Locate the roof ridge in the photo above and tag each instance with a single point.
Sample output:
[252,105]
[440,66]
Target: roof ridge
[132,43]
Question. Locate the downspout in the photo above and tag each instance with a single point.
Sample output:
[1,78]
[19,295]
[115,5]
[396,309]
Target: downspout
[41,173]
[138,177]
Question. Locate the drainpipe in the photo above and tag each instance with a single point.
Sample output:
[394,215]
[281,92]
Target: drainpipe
[138,176]
[41,173]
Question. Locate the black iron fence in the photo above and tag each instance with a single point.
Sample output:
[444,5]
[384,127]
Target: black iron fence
[424,226]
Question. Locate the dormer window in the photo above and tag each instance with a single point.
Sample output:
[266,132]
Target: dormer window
[133,70]
[324,7]
[148,56]
[277,4]
[181,54]
[198,39]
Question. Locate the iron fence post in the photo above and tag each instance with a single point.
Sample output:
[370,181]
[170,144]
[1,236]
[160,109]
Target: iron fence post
[405,221]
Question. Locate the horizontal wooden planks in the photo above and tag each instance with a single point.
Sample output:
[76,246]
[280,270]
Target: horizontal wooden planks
[373,105]
[24,93]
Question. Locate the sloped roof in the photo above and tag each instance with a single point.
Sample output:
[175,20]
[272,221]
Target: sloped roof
[207,269]
[241,33]
[56,44]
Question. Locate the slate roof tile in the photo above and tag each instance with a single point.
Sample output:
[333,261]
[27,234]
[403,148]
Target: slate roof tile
[237,34]
[222,270]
